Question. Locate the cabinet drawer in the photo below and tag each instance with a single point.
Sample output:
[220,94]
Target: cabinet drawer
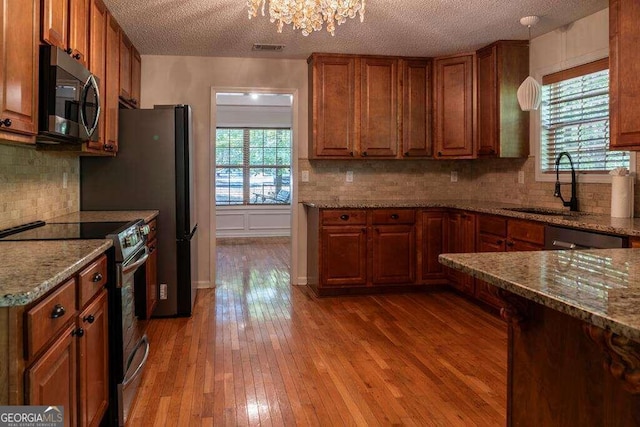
[153,230]
[492,225]
[92,279]
[344,217]
[48,317]
[526,231]
[394,216]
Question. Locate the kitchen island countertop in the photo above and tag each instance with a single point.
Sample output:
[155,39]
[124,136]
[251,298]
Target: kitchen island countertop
[31,268]
[106,216]
[580,220]
[600,287]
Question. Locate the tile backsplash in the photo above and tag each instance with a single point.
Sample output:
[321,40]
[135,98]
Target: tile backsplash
[493,180]
[31,185]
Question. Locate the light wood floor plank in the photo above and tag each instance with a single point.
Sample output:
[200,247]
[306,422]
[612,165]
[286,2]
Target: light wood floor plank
[258,351]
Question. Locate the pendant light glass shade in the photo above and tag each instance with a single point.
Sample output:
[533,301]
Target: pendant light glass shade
[529,94]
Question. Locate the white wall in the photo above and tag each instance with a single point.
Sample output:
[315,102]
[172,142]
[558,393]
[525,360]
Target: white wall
[189,80]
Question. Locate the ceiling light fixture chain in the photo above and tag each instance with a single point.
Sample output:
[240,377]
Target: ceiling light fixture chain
[308,15]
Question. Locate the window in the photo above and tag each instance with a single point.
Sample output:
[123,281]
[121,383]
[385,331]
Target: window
[575,118]
[253,166]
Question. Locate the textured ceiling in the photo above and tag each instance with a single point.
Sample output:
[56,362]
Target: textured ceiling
[391,27]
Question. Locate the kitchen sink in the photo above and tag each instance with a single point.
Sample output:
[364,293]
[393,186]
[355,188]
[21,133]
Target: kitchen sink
[544,211]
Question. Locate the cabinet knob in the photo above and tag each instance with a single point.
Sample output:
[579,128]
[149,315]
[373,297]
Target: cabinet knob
[89,319]
[152,249]
[58,311]
[153,228]
[68,51]
[492,151]
[351,153]
[78,332]
[364,154]
[96,277]
[344,217]
[406,154]
[6,123]
[364,230]
[395,216]
[77,56]
[500,241]
[439,153]
[509,243]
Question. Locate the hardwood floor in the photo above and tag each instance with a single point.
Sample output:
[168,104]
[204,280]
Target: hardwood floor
[258,351]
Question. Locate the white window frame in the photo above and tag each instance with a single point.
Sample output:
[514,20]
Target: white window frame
[535,132]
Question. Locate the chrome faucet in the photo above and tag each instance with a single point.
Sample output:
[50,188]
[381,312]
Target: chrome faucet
[573,203]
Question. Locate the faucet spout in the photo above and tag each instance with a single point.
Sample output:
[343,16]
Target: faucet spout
[573,202]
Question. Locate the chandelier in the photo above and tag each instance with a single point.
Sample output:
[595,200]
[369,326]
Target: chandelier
[309,15]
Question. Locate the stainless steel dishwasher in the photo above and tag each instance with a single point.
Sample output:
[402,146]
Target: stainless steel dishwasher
[568,238]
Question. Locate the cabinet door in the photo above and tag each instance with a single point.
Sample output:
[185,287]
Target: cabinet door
[125,67]
[152,277]
[434,229]
[112,85]
[18,66]
[461,239]
[333,130]
[454,107]
[416,113]
[136,63]
[97,46]
[55,22]
[394,254]
[52,378]
[379,107]
[624,68]
[94,361]
[79,29]
[487,101]
[344,256]
[489,243]
[634,242]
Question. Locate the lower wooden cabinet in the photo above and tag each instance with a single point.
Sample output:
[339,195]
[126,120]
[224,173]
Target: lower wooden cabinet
[393,254]
[432,241]
[461,239]
[343,256]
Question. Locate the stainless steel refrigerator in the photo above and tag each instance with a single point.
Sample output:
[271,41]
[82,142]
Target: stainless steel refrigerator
[153,170]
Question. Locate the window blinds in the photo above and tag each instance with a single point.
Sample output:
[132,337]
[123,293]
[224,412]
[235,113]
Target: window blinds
[575,118]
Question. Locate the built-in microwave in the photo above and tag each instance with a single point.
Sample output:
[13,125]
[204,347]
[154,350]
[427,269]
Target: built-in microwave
[69,107]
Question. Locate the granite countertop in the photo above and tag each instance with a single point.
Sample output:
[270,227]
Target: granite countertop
[32,268]
[585,221]
[600,286]
[106,216]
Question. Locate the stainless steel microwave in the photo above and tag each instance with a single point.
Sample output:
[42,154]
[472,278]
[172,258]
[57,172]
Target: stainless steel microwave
[69,99]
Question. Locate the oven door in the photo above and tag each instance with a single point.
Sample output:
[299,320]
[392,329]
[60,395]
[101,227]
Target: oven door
[135,343]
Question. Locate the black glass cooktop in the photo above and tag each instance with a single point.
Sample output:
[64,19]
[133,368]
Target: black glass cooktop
[61,231]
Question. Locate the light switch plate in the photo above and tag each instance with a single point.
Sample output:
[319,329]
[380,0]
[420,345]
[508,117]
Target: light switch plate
[163,291]
[454,176]
[304,176]
[349,176]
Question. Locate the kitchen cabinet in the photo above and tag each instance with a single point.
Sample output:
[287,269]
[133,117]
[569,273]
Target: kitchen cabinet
[344,256]
[416,108]
[97,54]
[634,242]
[64,25]
[461,239]
[393,246]
[333,128]
[79,30]
[503,128]
[432,238]
[112,85]
[58,355]
[125,66]
[136,70]
[523,235]
[379,127]
[624,68]
[19,70]
[454,107]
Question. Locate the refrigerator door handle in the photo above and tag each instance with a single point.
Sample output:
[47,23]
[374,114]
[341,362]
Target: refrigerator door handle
[193,232]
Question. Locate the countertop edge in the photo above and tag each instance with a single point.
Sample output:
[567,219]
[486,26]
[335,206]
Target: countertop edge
[25,298]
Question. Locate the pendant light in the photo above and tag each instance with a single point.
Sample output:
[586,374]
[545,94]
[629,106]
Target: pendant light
[530,91]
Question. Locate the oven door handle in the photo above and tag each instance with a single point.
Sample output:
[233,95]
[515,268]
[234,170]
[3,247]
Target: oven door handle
[144,341]
[133,267]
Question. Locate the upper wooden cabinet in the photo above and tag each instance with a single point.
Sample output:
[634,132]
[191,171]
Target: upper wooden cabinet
[379,130]
[416,108]
[19,70]
[333,127]
[624,69]
[112,85]
[130,63]
[65,25]
[503,128]
[97,45]
[454,100]
[136,69]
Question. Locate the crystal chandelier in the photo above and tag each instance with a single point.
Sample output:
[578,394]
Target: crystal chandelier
[309,15]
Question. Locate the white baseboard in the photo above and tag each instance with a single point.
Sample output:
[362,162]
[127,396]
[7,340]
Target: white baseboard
[204,284]
[300,281]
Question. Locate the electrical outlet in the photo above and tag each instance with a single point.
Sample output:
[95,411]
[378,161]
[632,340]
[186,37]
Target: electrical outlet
[349,176]
[304,176]
[163,291]
[64,179]
[454,176]
[521,177]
